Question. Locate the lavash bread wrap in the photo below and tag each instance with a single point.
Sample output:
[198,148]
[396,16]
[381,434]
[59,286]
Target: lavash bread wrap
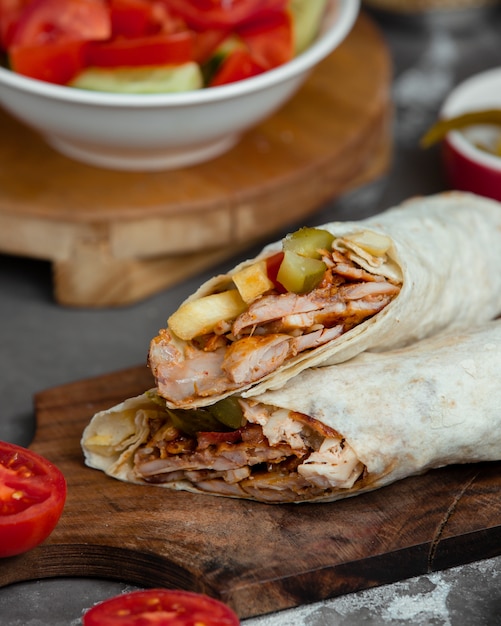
[332,432]
[445,257]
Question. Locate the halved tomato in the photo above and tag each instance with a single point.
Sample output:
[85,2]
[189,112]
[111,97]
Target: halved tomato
[238,65]
[54,21]
[202,14]
[270,39]
[32,497]
[160,607]
[160,49]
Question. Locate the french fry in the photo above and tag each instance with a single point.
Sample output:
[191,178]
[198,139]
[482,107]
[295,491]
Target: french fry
[252,281]
[199,317]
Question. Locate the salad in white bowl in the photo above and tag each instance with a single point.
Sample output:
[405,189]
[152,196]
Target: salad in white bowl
[158,84]
[153,46]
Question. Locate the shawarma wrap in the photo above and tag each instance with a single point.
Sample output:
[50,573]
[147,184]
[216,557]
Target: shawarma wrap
[428,265]
[331,433]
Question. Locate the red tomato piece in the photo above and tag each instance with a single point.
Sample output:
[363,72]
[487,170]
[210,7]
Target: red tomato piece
[10,12]
[131,18]
[206,42]
[54,63]
[153,50]
[238,65]
[269,39]
[54,21]
[273,263]
[202,14]
[138,18]
[32,497]
[160,607]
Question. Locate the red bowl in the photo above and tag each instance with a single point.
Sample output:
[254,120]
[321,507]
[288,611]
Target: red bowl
[467,167]
[466,171]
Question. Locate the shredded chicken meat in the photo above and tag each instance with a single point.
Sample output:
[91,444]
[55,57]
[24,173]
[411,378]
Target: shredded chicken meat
[277,456]
[274,328]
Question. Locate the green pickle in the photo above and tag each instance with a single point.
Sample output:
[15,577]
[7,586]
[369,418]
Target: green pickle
[193,421]
[302,269]
[300,274]
[308,241]
[229,412]
[220,417]
[440,129]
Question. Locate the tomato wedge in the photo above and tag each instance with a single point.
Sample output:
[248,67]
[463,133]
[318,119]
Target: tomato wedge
[32,497]
[206,42]
[53,21]
[201,14]
[238,65]
[160,607]
[157,49]
[273,264]
[270,39]
[54,63]
[131,18]
[138,18]
[10,12]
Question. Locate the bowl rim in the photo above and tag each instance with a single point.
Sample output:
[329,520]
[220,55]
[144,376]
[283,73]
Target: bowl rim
[347,12]
[464,97]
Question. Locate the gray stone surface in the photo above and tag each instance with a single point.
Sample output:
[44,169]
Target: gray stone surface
[44,345]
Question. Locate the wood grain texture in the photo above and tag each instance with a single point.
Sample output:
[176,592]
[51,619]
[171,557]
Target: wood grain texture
[116,237]
[256,557]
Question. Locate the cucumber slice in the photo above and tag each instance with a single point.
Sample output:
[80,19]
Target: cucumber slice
[306,18]
[141,80]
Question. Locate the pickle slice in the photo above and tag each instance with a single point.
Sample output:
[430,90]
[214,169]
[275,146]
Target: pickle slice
[229,412]
[222,416]
[440,129]
[300,274]
[192,421]
[308,241]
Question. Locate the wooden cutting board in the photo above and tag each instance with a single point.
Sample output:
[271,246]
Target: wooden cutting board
[256,557]
[116,237]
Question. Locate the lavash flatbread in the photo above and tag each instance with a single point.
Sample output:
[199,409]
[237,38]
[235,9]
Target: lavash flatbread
[447,249]
[401,413]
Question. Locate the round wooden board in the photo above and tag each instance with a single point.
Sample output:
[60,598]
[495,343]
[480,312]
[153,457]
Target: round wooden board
[97,224]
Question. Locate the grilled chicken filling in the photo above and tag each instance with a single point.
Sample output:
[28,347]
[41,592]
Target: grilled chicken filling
[277,456]
[272,329]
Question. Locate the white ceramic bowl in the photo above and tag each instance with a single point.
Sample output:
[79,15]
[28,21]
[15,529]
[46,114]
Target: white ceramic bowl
[154,132]
[469,168]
